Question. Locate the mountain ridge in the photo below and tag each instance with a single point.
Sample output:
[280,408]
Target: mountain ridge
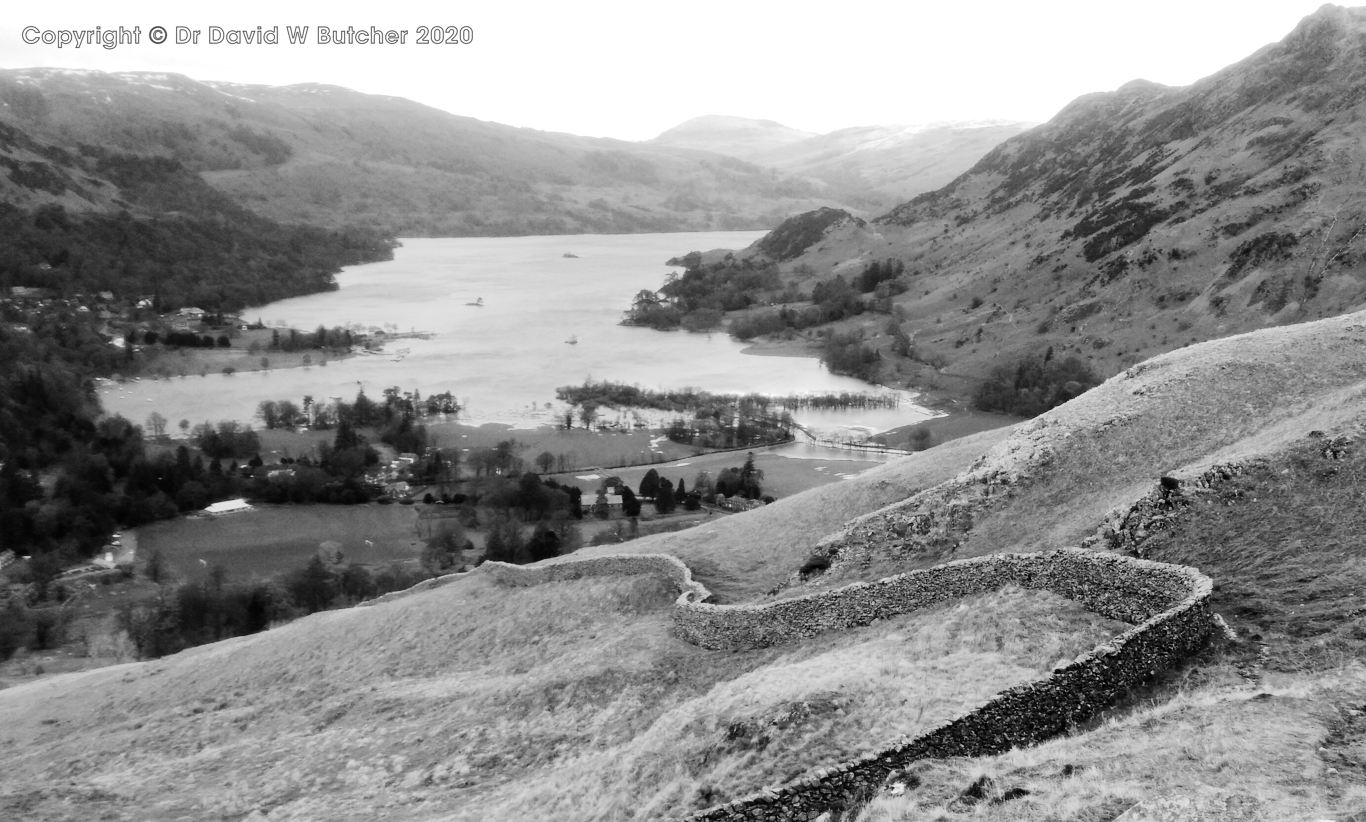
[328,155]
[869,166]
[1137,220]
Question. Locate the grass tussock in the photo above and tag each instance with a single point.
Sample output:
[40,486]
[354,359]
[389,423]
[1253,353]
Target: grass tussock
[475,701]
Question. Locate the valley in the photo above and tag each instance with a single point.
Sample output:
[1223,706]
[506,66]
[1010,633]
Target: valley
[546,521]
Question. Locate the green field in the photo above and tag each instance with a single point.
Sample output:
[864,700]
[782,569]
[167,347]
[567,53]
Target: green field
[271,539]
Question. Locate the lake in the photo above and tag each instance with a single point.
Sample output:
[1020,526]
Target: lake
[503,360]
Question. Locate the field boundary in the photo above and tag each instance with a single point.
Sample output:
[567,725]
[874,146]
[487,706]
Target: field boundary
[1167,604]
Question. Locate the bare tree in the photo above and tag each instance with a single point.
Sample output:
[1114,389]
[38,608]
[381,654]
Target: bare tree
[157,424]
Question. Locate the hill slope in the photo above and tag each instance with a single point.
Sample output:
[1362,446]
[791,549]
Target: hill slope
[89,218]
[1143,219]
[741,137]
[891,163]
[330,156]
[572,700]
[870,167]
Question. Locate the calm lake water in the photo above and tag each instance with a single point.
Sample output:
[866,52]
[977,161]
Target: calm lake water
[505,359]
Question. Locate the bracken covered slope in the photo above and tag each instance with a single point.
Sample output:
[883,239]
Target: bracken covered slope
[1139,220]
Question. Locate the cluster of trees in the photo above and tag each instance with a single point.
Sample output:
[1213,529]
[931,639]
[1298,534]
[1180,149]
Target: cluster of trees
[396,408]
[336,338]
[1034,385]
[665,495]
[214,253]
[550,537]
[183,339]
[717,431]
[831,301]
[875,274]
[614,394]
[189,613]
[743,481]
[528,495]
[186,613]
[227,440]
[698,298]
[847,354]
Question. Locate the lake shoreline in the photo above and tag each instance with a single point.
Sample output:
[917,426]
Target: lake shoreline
[485,356]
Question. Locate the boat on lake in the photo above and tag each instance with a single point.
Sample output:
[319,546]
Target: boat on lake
[573,339]
[478,303]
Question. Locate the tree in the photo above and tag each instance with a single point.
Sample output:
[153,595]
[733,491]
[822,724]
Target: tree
[443,548]
[289,415]
[157,424]
[269,413]
[184,426]
[751,477]
[680,493]
[544,543]
[505,542]
[365,410]
[630,504]
[346,437]
[545,460]
[649,484]
[664,497]
[312,587]
[155,568]
[703,484]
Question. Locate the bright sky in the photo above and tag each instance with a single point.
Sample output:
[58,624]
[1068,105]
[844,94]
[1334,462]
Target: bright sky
[633,69]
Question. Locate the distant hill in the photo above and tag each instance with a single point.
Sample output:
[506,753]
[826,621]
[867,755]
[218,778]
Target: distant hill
[1140,220]
[891,163]
[93,217]
[330,156]
[869,167]
[737,136]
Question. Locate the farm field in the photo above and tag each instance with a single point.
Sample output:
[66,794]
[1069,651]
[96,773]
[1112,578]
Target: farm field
[271,539]
[783,476]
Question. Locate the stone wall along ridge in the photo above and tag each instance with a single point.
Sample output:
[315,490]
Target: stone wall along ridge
[1168,605]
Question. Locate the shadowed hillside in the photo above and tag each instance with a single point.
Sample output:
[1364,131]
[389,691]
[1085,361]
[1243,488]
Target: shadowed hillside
[330,156]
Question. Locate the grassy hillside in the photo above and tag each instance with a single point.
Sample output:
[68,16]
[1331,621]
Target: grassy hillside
[473,702]
[574,701]
[1134,222]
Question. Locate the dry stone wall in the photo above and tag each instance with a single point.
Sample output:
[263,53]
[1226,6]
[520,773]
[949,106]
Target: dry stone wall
[1169,605]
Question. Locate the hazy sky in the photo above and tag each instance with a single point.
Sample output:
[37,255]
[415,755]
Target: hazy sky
[633,69]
